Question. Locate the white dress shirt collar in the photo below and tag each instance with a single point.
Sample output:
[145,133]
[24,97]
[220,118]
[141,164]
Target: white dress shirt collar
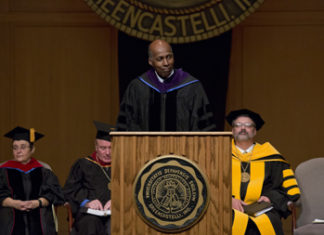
[161,79]
[248,150]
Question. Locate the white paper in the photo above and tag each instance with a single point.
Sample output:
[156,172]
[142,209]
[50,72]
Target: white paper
[318,221]
[98,212]
[263,211]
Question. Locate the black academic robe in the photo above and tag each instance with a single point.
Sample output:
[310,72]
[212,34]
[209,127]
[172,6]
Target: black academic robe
[30,183]
[87,182]
[182,107]
[269,175]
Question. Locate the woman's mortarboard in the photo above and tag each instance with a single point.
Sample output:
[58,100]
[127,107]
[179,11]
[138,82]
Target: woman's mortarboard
[103,130]
[248,113]
[20,133]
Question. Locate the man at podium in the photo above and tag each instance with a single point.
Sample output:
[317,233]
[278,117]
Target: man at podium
[164,98]
[259,174]
[87,188]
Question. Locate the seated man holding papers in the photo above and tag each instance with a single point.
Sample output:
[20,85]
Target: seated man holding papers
[87,188]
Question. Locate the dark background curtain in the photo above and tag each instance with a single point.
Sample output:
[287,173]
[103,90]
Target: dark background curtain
[207,60]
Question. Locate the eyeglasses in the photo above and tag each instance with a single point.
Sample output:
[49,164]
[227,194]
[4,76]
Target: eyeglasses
[246,124]
[22,147]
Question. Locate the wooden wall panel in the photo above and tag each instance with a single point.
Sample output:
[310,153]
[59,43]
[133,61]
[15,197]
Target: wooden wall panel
[292,5]
[59,89]
[277,70]
[4,6]
[286,69]
[49,6]
[5,86]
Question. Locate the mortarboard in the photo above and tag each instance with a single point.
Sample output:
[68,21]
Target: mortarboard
[103,130]
[20,133]
[245,112]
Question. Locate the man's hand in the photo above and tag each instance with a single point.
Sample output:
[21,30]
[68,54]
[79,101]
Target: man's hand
[107,205]
[238,204]
[264,198]
[94,204]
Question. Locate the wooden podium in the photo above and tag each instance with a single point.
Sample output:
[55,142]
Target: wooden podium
[211,151]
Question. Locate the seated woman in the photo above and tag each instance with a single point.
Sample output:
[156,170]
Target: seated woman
[27,189]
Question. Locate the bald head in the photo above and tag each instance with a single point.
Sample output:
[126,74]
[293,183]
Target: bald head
[157,45]
[161,57]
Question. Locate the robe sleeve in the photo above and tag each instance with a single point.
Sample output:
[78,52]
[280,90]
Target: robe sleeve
[202,117]
[126,112]
[50,188]
[4,188]
[284,188]
[74,191]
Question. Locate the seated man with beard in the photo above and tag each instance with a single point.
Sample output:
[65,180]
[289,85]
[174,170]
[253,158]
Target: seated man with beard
[259,173]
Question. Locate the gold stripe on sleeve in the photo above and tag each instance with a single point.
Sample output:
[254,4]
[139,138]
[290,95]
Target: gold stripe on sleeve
[287,172]
[293,191]
[290,182]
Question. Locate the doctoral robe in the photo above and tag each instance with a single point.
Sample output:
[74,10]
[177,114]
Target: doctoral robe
[87,182]
[270,176]
[28,182]
[178,104]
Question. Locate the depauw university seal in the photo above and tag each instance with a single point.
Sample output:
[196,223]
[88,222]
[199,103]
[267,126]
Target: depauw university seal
[176,21]
[171,193]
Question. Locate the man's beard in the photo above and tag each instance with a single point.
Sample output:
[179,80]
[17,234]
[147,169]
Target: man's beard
[242,136]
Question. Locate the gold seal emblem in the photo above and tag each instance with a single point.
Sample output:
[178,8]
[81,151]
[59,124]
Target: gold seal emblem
[176,21]
[171,193]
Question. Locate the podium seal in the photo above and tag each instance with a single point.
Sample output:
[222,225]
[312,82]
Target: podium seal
[171,193]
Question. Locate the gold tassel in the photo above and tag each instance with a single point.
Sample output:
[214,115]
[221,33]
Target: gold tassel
[32,135]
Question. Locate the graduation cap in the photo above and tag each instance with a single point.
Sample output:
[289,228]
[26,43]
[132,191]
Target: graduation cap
[103,130]
[248,113]
[20,133]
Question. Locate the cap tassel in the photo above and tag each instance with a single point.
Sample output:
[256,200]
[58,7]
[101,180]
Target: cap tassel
[32,135]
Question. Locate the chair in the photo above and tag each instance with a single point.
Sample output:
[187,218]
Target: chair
[310,178]
[69,216]
[54,208]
